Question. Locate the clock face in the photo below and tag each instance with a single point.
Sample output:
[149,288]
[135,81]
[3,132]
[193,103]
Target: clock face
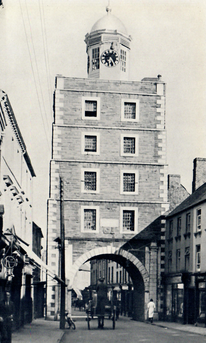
[110,58]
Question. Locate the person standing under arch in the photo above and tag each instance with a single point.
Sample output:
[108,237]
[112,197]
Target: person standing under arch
[101,301]
[151,308]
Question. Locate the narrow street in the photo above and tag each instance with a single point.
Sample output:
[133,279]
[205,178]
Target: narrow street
[126,331]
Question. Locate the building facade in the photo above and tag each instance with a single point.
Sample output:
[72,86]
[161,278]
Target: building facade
[16,175]
[185,282]
[109,147]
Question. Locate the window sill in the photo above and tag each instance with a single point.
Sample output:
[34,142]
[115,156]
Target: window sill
[198,234]
[187,235]
[178,238]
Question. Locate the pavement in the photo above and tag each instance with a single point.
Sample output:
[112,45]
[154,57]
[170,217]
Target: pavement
[47,331]
[39,330]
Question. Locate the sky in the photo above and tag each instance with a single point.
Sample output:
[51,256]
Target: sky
[42,38]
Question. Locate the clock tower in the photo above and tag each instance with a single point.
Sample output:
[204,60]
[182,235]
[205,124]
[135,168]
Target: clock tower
[108,49]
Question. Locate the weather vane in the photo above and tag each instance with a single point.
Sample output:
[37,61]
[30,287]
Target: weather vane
[108,8]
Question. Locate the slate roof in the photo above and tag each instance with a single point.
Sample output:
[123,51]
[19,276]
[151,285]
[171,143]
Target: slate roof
[152,233]
[192,200]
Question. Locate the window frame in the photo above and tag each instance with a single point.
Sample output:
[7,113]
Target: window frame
[97,218]
[93,59]
[89,98]
[188,223]
[198,257]
[135,209]
[130,135]
[178,259]
[128,100]
[129,171]
[97,135]
[187,258]
[123,60]
[95,170]
[171,229]
[198,216]
[179,227]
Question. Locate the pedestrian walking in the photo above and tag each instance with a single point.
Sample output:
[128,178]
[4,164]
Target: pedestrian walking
[101,301]
[151,308]
[6,318]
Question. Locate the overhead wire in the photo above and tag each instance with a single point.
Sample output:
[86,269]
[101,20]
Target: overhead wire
[35,59]
[45,46]
[35,81]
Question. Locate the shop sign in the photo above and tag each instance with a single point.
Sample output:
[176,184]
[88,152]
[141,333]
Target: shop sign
[174,279]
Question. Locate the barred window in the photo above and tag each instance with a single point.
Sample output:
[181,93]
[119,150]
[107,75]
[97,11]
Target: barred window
[129,145]
[128,182]
[130,110]
[123,59]
[90,143]
[90,108]
[89,219]
[128,220]
[95,58]
[90,181]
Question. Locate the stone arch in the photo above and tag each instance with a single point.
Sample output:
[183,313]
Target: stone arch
[109,250]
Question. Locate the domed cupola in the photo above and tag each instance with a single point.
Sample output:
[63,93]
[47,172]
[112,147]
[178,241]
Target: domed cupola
[108,48]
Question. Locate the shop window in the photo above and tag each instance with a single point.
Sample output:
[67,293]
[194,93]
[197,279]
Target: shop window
[199,220]
[198,257]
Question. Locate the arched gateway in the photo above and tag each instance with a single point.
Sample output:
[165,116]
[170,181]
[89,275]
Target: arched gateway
[137,270]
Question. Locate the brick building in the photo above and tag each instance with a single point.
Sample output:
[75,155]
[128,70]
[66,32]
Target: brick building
[109,147]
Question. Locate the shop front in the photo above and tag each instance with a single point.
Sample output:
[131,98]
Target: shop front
[180,299]
[200,283]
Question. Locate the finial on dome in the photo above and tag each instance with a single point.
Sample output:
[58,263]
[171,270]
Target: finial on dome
[108,8]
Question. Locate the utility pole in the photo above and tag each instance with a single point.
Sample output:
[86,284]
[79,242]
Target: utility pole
[62,255]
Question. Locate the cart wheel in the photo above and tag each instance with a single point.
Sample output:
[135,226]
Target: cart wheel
[113,321]
[88,323]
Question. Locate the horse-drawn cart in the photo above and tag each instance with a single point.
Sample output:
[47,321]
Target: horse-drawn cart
[109,314]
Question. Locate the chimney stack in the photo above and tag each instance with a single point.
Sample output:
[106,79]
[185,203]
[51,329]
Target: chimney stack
[199,173]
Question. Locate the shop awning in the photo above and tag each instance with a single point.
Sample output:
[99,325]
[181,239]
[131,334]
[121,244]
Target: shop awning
[38,262]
